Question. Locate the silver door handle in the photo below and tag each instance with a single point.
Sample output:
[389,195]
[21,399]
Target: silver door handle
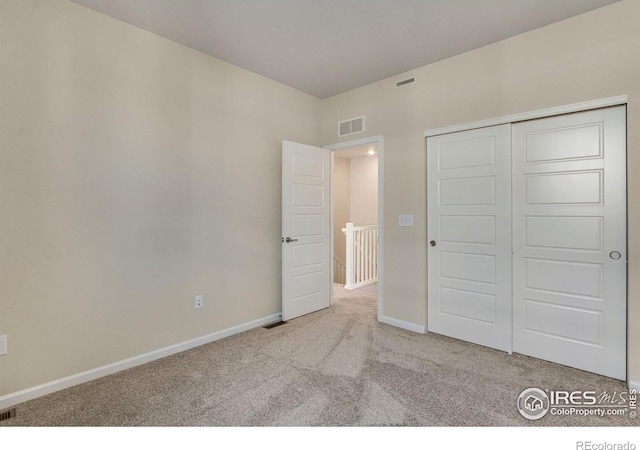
[615,255]
[288,239]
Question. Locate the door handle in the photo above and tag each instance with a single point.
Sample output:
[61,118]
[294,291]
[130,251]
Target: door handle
[288,239]
[433,243]
[615,255]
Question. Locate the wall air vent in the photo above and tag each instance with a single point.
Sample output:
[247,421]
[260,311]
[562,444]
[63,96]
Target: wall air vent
[351,126]
[407,81]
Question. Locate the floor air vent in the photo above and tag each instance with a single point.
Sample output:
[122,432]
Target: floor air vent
[6,415]
[273,325]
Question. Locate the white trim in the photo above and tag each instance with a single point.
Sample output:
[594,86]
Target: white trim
[15,398]
[634,385]
[547,112]
[402,324]
[356,143]
[331,237]
[379,141]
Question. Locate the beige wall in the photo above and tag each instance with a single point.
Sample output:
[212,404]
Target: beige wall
[364,191]
[341,208]
[135,173]
[592,56]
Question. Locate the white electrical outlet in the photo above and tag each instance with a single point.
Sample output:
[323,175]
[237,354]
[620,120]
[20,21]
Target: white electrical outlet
[3,344]
[405,220]
[199,301]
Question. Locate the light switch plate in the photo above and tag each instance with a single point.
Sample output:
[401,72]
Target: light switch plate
[405,220]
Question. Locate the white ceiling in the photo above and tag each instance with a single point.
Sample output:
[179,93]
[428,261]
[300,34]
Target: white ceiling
[325,47]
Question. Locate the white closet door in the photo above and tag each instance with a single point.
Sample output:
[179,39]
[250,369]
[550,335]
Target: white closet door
[469,220]
[569,240]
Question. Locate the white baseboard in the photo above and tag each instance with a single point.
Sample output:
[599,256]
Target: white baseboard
[634,385]
[402,324]
[15,398]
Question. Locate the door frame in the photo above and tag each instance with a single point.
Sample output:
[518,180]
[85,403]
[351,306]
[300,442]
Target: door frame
[379,142]
[621,100]
[537,114]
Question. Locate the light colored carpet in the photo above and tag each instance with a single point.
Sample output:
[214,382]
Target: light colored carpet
[335,367]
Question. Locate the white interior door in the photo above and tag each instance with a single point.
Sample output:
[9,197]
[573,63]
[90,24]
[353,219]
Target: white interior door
[306,229]
[569,240]
[469,220]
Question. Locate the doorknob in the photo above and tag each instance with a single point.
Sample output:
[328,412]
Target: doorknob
[615,255]
[288,239]
[433,243]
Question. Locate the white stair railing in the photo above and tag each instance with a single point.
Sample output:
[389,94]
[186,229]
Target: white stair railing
[362,255]
[339,271]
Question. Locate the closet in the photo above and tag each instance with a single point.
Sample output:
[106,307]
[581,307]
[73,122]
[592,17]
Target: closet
[526,238]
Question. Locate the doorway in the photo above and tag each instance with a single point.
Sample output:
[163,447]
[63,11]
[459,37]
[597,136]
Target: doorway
[357,186]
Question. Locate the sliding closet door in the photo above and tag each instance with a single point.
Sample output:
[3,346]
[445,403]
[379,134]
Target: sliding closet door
[469,234]
[569,240]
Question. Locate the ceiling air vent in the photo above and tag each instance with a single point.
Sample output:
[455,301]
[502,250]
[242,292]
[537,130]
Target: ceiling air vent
[351,126]
[407,81]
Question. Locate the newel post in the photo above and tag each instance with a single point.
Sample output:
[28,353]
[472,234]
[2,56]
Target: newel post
[350,281]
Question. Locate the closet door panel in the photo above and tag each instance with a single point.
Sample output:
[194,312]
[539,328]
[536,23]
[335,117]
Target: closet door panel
[469,225]
[569,240]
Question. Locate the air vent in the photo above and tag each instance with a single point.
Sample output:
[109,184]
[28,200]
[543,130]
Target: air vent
[6,415]
[351,126]
[274,325]
[407,81]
